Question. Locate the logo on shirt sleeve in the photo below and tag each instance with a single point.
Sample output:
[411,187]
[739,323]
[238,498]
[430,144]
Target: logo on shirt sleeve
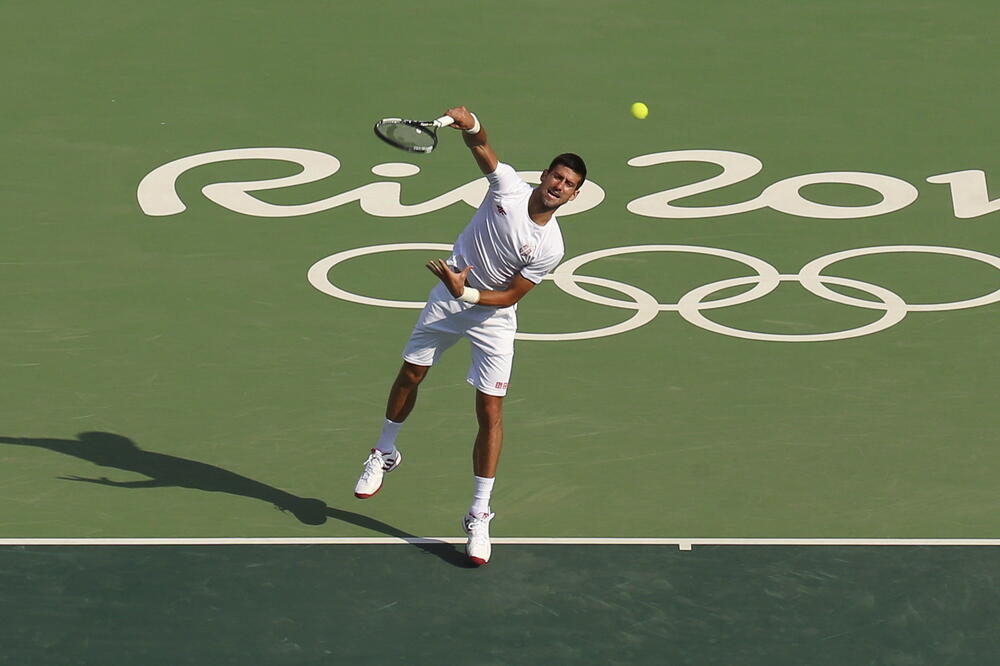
[526,250]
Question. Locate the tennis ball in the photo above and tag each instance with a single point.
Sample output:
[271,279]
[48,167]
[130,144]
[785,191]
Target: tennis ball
[640,110]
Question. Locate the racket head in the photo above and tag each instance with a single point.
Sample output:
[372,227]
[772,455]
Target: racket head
[410,135]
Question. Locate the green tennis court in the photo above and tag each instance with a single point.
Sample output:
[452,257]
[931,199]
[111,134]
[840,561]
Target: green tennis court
[774,324]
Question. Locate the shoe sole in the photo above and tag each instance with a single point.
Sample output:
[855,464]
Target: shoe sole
[364,496]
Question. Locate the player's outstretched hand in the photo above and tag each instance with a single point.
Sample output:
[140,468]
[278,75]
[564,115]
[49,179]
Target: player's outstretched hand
[463,118]
[454,281]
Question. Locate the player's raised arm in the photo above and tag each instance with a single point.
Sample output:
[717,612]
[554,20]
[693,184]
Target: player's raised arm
[475,138]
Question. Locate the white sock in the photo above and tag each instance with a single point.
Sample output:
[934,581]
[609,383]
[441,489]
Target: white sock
[387,440]
[481,492]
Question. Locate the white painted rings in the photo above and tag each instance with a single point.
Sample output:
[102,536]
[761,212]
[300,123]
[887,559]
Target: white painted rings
[691,304]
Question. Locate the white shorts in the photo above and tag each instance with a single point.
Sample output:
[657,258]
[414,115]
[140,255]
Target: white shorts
[444,320]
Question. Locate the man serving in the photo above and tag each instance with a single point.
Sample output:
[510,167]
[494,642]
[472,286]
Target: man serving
[512,241]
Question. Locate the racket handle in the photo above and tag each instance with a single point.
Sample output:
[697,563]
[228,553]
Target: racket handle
[444,121]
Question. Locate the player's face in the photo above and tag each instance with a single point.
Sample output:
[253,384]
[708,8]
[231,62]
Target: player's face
[558,186]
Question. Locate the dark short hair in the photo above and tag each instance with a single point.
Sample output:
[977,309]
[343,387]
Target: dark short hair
[574,162]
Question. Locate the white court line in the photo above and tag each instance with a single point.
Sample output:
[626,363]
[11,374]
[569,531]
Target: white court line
[682,544]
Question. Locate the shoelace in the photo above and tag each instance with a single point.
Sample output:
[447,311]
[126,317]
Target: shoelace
[476,524]
[374,464]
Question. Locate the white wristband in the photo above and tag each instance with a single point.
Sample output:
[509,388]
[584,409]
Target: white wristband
[476,127]
[469,295]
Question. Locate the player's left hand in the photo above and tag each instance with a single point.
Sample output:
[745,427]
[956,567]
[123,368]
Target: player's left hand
[454,281]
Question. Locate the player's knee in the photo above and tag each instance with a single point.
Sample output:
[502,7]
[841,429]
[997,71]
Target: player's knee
[411,374]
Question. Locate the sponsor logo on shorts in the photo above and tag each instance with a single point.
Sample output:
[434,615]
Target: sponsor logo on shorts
[501,385]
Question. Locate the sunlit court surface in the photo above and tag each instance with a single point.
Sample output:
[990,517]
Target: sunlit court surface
[752,413]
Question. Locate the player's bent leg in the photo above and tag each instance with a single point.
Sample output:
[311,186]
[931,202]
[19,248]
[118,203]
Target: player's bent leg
[385,457]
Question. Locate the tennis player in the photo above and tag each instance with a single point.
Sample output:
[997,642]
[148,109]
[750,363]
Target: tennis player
[511,243]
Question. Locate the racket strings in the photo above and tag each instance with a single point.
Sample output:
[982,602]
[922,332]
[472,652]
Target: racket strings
[406,135]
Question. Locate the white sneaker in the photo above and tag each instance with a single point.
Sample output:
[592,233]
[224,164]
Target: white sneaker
[376,466]
[478,529]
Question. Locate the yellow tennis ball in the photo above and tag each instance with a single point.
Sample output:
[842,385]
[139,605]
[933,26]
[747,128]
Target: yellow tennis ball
[640,110]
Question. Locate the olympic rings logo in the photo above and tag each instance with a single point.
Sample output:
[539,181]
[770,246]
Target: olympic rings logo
[692,304]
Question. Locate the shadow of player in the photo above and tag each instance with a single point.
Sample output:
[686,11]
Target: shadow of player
[165,471]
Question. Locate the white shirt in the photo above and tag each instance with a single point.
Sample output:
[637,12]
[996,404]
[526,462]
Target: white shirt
[501,240]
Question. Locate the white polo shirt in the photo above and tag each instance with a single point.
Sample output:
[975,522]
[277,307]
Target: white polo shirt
[501,240]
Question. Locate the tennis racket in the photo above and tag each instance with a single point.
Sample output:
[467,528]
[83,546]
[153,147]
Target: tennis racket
[416,136]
